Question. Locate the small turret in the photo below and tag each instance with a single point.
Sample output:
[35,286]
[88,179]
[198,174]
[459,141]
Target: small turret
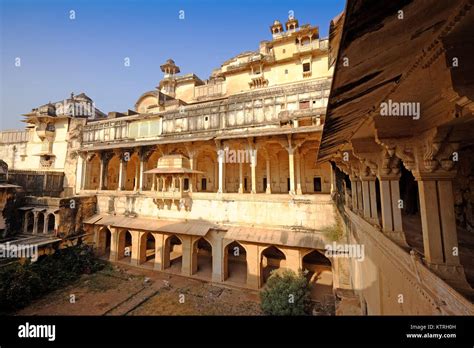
[291,24]
[276,28]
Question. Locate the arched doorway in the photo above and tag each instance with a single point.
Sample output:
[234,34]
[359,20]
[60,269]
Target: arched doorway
[147,249]
[131,172]
[318,272]
[202,258]
[51,223]
[93,173]
[271,259]
[235,263]
[113,173]
[40,224]
[173,254]
[125,246]
[103,243]
[29,221]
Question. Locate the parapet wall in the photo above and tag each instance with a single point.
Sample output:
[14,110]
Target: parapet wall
[390,281]
[315,212]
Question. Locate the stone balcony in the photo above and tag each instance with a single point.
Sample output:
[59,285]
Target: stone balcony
[311,213]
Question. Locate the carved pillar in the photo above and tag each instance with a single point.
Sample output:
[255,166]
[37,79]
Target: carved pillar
[25,222]
[430,158]
[101,172]
[138,176]
[114,244]
[45,223]
[159,251]
[253,167]
[268,189]
[353,180]
[192,177]
[220,158]
[241,178]
[360,202]
[291,160]
[121,173]
[142,175]
[35,222]
[298,173]
[187,255]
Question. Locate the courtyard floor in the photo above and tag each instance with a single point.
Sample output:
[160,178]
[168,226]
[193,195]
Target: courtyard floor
[125,290]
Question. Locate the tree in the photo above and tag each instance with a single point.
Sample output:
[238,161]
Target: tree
[286,293]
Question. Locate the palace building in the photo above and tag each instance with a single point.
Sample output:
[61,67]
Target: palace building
[281,153]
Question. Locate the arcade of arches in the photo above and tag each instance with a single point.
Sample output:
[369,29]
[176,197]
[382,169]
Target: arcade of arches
[282,165]
[40,221]
[213,257]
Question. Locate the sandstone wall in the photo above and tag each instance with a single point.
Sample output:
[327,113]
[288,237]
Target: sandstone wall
[463,188]
[316,212]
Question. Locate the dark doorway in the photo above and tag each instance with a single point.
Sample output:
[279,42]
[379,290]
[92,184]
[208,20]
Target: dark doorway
[317,187]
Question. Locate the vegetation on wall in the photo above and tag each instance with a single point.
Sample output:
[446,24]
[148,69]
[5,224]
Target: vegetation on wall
[286,293]
[334,233]
[22,283]
[12,215]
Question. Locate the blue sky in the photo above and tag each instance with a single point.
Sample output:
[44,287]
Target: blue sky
[59,55]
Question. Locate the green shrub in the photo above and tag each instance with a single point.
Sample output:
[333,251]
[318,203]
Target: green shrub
[20,284]
[286,293]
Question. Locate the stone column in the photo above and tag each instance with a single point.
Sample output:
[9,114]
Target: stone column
[35,222]
[438,224]
[142,175]
[253,168]
[438,220]
[135,259]
[56,222]
[187,257]
[354,193]
[101,173]
[121,174]
[217,258]
[369,198]
[84,173]
[192,176]
[79,174]
[45,223]
[291,160]
[220,158]
[241,178]
[141,248]
[390,208]
[25,222]
[159,251]
[298,174]
[333,181]
[153,182]
[360,202]
[114,244]
[268,189]
[138,175]
[293,260]
[253,265]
